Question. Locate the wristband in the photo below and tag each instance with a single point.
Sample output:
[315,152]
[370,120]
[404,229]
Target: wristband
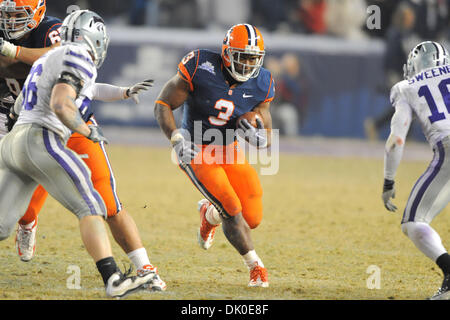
[388,184]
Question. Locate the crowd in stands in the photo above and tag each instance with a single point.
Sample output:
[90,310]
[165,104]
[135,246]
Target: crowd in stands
[403,23]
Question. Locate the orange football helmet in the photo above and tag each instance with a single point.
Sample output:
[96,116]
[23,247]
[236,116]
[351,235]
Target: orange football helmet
[20,16]
[243,52]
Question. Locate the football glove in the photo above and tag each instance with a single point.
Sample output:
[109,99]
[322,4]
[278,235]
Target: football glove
[255,136]
[96,134]
[133,91]
[185,150]
[7,49]
[388,193]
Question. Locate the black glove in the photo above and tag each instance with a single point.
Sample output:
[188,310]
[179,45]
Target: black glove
[388,193]
[96,134]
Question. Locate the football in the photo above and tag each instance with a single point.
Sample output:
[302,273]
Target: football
[251,118]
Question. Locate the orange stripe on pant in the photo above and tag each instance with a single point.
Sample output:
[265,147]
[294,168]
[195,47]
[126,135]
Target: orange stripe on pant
[102,178]
[235,186]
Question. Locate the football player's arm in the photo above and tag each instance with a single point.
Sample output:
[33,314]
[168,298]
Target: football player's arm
[400,123]
[62,102]
[23,54]
[30,55]
[263,109]
[172,96]
[109,93]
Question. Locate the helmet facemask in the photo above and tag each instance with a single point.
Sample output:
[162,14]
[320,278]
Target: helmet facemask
[244,63]
[16,21]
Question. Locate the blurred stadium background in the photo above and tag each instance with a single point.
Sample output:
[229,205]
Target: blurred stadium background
[333,71]
[324,220]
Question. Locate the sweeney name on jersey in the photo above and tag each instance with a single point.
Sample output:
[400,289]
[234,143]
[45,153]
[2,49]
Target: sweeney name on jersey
[430,73]
[427,96]
[71,58]
[212,104]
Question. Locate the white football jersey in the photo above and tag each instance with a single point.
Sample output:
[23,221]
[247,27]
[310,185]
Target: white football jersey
[37,90]
[427,94]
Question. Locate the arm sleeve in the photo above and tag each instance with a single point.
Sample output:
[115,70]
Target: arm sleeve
[188,67]
[400,123]
[107,92]
[271,91]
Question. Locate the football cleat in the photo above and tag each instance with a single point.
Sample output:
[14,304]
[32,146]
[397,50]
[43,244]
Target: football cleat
[157,283]
[258,277]
[444,291]
[205,234]
[120,284]
[25,242]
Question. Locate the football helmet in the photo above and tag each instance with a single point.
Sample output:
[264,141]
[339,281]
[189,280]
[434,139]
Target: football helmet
[243,52]
[20,17]
[425,55]
[87,28]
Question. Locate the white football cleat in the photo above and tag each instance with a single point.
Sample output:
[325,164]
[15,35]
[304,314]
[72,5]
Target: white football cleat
[157,283]
[258,277]
[205,234]
[25,242]
[120,285]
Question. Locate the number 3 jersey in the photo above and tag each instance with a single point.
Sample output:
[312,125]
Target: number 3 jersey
[37,90]
[427,96]
[212,103]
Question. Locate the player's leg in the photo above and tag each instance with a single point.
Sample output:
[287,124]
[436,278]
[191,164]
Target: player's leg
[120,222]
[428,198]
[16,192]
[67,178]
[211,180]
[25,241]
[244,179]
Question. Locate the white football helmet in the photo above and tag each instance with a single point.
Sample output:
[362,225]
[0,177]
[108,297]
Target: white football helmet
[87,28]
[425,55]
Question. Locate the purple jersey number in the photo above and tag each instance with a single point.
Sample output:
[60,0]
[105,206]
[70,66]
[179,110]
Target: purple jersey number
[30,89]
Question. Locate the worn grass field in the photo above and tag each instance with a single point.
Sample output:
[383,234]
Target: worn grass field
[324,225]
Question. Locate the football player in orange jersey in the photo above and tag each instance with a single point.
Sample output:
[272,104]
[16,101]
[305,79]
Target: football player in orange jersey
[216,90]
[24,23]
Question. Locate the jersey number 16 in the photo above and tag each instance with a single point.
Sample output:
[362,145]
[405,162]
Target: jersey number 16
[424,91]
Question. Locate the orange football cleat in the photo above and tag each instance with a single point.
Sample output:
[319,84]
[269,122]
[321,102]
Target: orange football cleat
[205,234]
[258,277]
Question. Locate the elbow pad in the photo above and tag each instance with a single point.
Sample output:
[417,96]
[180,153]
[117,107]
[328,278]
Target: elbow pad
[70,79]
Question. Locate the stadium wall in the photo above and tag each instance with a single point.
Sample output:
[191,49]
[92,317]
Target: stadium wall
[344,76]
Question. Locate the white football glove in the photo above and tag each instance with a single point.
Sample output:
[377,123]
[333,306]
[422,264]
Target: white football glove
[388,193]
[256,136]
[185,150]
[133,91]
[7,49]
[96,134]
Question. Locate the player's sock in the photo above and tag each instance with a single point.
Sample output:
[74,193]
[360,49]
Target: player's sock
[107,267]
[425,238]
[444,263]
[213,216]
[250,258]
[28,225]
[139,258]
